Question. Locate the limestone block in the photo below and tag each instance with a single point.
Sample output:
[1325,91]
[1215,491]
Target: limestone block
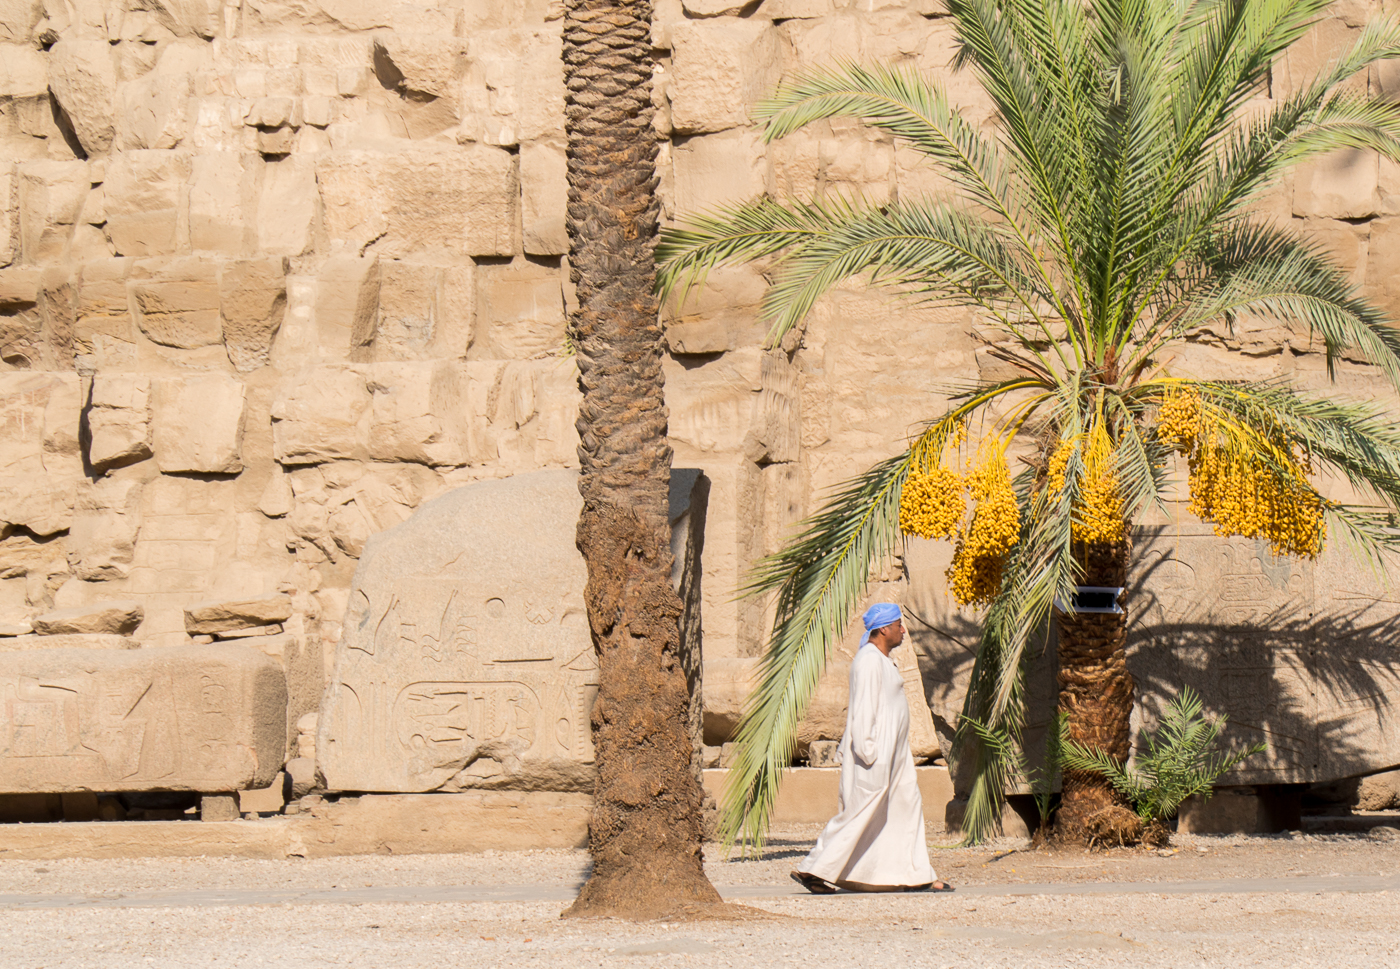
[719,316]
[321,415]
[1379,792]
[465,658]
[420,198]
[176,302]
[119,420]
[721,68]
[516,85]
[347,301]
[70,641]
[83,79]
[156,107]
[116,617]
[1313,54]
[717,170]
[1292,652]
[17,20]
[1343,185]
[415,413]
[198,424]
[267,800]
[217,219]
[824,753]
[9,221]
[713,406]
[106,523]
[252,301]
[103,308]
[39,415]
[428,65]
[51,196]
[187,18]
[221,616]
[23,72]
[143,198]
[287,206]
[22,628]
[42,503]
[19,285]
[178,719]
[520,313]
[544,192]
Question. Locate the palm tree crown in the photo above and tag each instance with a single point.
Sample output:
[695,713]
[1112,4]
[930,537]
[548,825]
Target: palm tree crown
[1112,212]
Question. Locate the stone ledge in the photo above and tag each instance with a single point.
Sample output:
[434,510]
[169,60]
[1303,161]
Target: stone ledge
[808,794]
[373,824]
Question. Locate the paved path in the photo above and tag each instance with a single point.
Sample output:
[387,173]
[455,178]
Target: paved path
[1309,885]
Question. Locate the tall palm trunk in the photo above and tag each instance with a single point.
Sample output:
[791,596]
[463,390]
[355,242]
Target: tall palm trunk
[1096,694]
[645,833]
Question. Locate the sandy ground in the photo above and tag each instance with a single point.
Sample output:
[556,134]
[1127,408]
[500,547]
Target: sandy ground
[130,912]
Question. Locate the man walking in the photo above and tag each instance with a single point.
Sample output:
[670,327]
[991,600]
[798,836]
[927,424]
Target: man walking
[876,842]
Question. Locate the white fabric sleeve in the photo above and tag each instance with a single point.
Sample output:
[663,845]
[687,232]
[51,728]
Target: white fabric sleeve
[864,711]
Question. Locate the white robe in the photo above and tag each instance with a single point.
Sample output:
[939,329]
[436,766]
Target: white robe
[877,838]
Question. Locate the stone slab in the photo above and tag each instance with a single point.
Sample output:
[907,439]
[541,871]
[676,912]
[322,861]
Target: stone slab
[70,641]
[1242,811]
[396,824]
[465,647]
[221,616]
[186,718]
[1299,655]
[117,616]
[809,795]
[465,659]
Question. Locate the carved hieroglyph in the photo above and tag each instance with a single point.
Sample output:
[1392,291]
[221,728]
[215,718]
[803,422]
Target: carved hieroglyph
[465,655]
[1299,655]
[181,718]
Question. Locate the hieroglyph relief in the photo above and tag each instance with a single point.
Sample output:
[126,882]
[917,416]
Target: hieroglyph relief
[463,648]
[68,722]
[1268,642]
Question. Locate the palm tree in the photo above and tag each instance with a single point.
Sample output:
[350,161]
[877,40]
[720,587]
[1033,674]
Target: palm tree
[645,832]
[1110,215]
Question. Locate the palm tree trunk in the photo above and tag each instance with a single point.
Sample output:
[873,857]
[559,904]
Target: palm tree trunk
[645,833]
[1096,694]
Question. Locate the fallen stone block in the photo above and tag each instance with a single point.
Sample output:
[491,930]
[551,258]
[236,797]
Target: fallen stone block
[250,632]
[266,800]
[178,718]
[217,617]
[118,616]
[1379,792]
[22,628]
[70,641]
[219,807]
[824,753]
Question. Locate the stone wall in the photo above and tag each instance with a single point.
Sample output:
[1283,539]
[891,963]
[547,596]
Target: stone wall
[276,272]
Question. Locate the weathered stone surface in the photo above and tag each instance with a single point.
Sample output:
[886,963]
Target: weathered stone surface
[218,222]
[218,807]
[824,753]
[70,641]
[347,300]
[1293,653]
[116,616]
[287,206]
[199,424]
[23,71]
[421,199]
[83,78]
[144,194]
[21,628]
[321,415]
[543,197]
[187,718]
[252,301]
[1235,810]
[176,302]
[119,420]
[223,616]
[51,199]
[106,522]
[465,659]
[415,414]
[722,67]
[39,502]
[1379,792]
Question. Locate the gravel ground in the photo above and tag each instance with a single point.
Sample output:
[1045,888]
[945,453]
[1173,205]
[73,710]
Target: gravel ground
[1140,930]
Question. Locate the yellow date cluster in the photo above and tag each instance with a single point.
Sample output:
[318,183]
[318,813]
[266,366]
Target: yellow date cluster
[1237,490]
[1098,511]
[934,504]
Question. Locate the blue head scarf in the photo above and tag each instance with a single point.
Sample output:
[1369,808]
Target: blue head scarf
[879,616]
